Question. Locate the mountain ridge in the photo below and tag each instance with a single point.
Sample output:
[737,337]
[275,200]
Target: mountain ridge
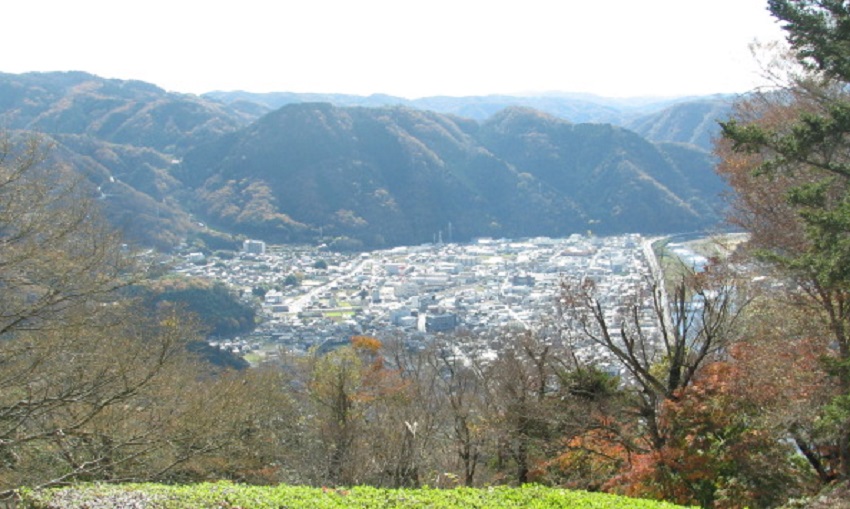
[383,176]
[167,166]
[575,107]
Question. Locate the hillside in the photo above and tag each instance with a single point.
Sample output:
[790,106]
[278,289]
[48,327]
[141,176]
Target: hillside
[396,175]
[166,166]
[123,137]
[114,111]
[693,122]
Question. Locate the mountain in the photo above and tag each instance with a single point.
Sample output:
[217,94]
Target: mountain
[116,111]
[134,186]
[124,137]
[694,122]
[371,177]
[620,181]
[381,171]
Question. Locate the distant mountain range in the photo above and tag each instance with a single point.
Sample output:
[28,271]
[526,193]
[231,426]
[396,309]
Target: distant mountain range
[633,113]
[367,172]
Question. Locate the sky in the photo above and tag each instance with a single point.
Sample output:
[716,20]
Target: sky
[406,48]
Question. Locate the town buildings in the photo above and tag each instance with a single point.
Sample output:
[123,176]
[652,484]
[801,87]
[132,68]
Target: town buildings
[421,291]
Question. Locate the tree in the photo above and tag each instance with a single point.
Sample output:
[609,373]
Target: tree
[412,445]
[796,142]
[735,433]
[240,426]
[517,387]
[660,341]
[352,394]
[69,356]
[818,32]
[718,453]
[214,303]
[58,258]
[63,401]
[459,385]
[595,428]
[92,387]
[779,370]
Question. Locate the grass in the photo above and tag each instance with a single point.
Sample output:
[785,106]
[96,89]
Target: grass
[225,495]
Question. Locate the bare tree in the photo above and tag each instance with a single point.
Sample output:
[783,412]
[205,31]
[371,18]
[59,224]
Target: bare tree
[58,258]
[658,340]
[522,388]
[91,387]
[459,387]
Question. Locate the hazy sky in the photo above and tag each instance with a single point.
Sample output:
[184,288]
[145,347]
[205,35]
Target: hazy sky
[409,48]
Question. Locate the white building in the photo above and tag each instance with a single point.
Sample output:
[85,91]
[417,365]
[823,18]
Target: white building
[256,247]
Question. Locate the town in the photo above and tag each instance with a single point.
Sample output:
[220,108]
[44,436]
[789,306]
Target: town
[316,299]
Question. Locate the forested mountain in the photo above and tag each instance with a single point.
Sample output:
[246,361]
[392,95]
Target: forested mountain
[395,175]
[123,137]
[367,175]
[115,111]
[693,122]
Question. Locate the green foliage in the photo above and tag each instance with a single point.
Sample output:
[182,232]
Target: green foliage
[217,357]
[211,239]
[213,302]
[796,143]
[590,383]
[817,29]
[226,495]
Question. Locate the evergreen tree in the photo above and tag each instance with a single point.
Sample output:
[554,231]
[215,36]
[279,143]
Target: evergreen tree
[796,141]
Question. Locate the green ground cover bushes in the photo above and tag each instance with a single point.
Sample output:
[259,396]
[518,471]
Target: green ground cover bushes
[232,496]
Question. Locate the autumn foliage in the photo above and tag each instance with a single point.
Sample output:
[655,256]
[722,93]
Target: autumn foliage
[716,454]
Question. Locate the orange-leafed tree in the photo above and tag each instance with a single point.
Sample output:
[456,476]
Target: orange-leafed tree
[589,459]
[796,214]
[596,429]
[719,451]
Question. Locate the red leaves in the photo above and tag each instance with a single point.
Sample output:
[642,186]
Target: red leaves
[717,453]
[593,456]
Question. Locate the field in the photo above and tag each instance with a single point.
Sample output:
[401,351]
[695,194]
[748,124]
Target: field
[233,496]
